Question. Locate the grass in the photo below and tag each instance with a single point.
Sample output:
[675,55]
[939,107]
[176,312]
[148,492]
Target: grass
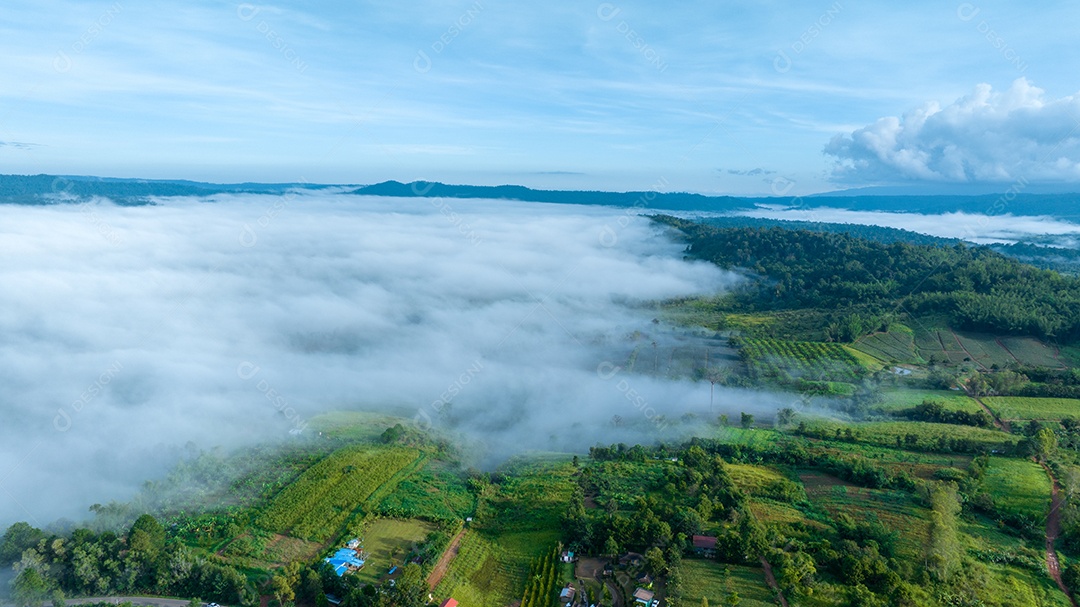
[320,501]
[1031,351]
[897,510]
[490,571]
[928,434]
[1027,407]
[387,541]
[435,493]
[1018,486]
[897,345]
[354,426]
[716,582]
[953,400]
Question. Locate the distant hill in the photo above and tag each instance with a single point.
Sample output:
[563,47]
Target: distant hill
[51,189]
[678,201]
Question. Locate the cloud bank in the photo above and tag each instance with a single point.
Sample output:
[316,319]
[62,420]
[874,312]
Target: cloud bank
[225,321]
[987,136]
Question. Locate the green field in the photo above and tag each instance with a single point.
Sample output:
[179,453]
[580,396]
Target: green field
[327,494]
[434,493]
[897,345]
[928,435]
[1026,407]
[387,541]
[789,361]
[953,400]
[1018,486]
[491,571]
[716,582]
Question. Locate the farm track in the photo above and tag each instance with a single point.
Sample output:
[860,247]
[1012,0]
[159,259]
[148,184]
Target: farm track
[998,341]
[1001,424]
[441,567]
[1053,529]
[966,351]
[771,580]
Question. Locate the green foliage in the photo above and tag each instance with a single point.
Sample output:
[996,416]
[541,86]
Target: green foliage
[977,288]
[320,501]
[791,361]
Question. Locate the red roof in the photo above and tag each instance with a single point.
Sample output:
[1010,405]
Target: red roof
[449,603]
[705,541]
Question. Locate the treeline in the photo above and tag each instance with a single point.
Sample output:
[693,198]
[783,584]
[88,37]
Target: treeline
[935,411]
[977,288]
[88,564]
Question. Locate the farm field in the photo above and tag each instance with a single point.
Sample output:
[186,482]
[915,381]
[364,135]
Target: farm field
[487,573]
[1027,407]
[433,493]
[953,400]
[898,511]
[387,541]
[789,361]
[984,350]
[715,582]
[1018,486]
[897,345]
[927,435]
[327,494]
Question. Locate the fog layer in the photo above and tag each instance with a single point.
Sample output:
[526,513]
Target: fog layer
[225,321]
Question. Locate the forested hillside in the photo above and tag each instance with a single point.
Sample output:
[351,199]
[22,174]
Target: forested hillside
[978,289]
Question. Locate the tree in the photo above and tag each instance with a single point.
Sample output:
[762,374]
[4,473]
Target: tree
[1044,443]
[611,547]
[943,550]
[147,537]
[785,416]
[18,537]
[30,588]
[282,589]
[654,561]
[746,420]
[195,602]
[58,598]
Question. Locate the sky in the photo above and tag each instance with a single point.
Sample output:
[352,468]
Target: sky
[754,98]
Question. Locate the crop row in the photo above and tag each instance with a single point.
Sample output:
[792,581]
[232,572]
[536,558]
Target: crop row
[320,500]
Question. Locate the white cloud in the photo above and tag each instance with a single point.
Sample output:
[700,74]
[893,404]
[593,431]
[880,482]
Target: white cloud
[135,321]
[987,136]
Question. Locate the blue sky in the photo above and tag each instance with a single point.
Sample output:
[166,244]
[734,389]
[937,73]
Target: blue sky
[745,98]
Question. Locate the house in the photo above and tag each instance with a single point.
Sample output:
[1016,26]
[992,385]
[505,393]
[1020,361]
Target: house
[704,544]
[643,596]
[567,594]
[645,580]
[353,544]
[333,600]
[448,603]
[344,560]
[567,557]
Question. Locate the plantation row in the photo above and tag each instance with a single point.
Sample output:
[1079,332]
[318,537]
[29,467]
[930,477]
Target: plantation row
[784,359]
[540,590]
[318,503]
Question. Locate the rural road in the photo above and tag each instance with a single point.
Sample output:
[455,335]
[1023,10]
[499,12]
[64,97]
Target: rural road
[1053,529]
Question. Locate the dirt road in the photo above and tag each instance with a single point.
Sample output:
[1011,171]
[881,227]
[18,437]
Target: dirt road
[444,561]
[1053,530]
[771,579]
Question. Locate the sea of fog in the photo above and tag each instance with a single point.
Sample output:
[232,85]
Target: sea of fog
[974,227]
[224,321]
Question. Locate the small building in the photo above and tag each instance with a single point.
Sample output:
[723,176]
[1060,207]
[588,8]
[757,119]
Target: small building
[344,560]
[643,596]
[704,544]
[353,543]
[567,594]
[567,556]
[448,603]
[645,580]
